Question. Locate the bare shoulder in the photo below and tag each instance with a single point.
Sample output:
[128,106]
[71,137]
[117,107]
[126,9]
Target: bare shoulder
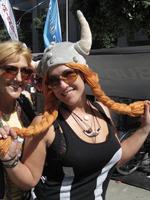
[47,136]
[37,119]
[50,136]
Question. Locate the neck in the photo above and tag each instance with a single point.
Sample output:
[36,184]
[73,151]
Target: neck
[84,110]
[80,106]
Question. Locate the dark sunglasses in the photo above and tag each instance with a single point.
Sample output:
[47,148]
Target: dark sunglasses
[68,76]
[10,72]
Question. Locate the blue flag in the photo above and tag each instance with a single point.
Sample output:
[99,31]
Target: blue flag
[52,28]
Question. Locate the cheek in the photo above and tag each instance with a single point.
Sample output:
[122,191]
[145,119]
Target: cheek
[55,92]
[81,84]
[3,84]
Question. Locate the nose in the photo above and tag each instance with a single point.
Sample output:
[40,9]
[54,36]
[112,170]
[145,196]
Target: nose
[18,76]
[63,84]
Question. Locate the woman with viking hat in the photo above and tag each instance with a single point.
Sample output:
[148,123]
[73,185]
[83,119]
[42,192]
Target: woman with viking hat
[77,147]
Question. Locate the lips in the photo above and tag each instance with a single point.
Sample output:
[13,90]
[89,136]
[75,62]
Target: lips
[14,84]
[66,92]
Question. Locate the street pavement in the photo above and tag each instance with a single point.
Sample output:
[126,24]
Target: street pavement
[120,191]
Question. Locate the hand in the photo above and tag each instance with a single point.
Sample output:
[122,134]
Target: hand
[6,131]
[145,119]
[14,148]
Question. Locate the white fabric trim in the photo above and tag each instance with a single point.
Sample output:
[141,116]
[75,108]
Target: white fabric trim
[101,178]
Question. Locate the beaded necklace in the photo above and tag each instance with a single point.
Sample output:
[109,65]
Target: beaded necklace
[12,118]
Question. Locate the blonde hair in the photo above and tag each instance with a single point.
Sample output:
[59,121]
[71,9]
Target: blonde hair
[51,106]
[11,50]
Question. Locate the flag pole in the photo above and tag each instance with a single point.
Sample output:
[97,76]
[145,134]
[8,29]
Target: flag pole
[67,20]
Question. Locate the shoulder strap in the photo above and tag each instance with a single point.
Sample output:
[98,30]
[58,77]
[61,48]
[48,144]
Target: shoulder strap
[101,110]
[27,111]
[99,107]
[61,138]
[92,99]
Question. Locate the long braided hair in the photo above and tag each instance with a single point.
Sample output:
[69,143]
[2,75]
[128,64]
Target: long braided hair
[51,106]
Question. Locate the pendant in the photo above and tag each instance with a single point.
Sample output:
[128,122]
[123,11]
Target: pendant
[1,123]
[6,117]
[91,133]
[86,117]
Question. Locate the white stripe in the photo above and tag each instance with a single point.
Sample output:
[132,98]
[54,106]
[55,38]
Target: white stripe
[66,183]
[101,178]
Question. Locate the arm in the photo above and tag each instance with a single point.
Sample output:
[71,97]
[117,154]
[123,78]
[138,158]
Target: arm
[28,171]
[131,145]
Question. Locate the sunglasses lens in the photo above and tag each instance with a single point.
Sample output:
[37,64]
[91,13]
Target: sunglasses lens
[9,72]
[53,81]
[67,76]
[26,73]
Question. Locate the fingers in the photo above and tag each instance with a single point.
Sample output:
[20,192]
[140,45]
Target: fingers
[6,131]
[147,107]
[145,118]
[13,134]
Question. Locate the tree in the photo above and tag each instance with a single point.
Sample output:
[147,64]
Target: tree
[111,19]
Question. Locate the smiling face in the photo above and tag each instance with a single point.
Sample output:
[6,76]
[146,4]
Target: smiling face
[67,85]
[13,77]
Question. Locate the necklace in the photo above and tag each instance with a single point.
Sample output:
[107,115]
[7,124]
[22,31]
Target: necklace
[4,118]
[1,123]
[87,129]
[10,119]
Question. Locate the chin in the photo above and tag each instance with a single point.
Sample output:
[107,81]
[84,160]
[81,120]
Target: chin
[14,94]
[71,102]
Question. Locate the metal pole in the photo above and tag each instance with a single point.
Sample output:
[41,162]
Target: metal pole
[35,43]
[67,21]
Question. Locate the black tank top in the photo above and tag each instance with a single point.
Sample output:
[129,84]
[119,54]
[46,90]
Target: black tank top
[75,169]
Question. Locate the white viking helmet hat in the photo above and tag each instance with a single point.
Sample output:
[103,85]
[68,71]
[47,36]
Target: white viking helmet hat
[66,52]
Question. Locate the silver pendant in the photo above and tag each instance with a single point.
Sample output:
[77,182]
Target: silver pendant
[91,133]
[86,118]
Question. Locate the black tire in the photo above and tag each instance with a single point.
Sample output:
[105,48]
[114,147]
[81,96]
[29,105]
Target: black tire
[129,167]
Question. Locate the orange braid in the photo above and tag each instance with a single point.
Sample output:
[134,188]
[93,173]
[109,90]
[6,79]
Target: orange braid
[133,109]
[51,106]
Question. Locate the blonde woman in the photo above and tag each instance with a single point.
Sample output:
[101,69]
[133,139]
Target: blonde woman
[15,73]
